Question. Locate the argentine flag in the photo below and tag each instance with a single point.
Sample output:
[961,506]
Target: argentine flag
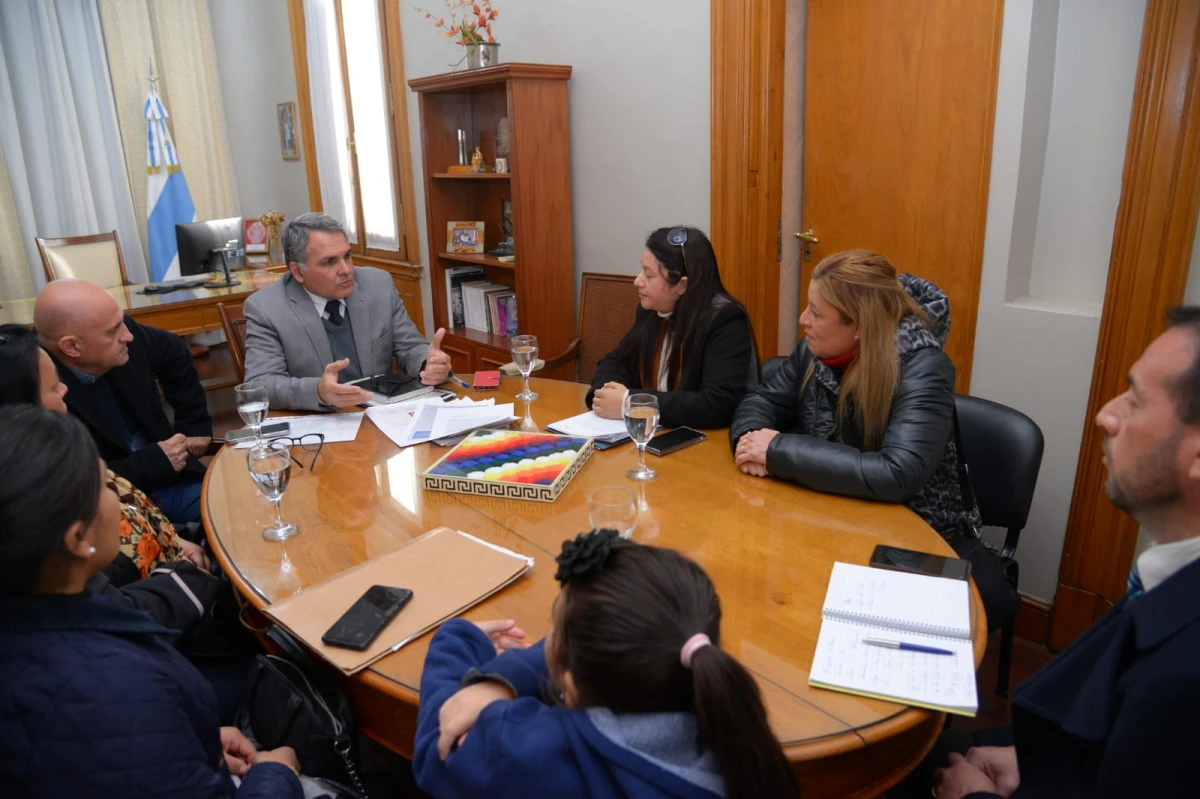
[168,202]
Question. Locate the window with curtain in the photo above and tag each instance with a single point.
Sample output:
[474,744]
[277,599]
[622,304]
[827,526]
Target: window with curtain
[353,122]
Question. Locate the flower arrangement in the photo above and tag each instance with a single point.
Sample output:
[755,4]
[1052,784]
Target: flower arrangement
[272,219]
[467,21]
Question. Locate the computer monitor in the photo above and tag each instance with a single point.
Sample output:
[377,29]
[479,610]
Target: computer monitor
[196,240]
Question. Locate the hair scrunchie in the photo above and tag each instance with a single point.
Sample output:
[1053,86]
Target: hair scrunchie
[587,554]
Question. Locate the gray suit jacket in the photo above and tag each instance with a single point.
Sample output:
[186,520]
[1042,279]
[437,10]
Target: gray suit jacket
[286,345]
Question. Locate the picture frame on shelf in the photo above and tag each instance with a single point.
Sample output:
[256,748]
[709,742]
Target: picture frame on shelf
[254,235]
[464,237]
[288,141]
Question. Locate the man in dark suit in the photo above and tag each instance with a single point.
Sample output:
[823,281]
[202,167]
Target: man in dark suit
[1115,713]
[113,369]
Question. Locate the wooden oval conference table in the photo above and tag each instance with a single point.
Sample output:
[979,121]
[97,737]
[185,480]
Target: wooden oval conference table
[768,546]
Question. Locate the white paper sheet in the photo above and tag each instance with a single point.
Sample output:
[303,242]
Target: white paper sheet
[336,427]
[589,425]
[416,423]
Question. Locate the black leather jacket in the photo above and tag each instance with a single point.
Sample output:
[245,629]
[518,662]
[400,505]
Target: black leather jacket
[917,463]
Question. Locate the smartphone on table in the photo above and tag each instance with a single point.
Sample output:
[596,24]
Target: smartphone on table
[366,618]
[269,430]
[674,440]
[907,560]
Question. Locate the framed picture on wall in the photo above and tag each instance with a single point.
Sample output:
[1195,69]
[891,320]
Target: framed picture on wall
[288,143]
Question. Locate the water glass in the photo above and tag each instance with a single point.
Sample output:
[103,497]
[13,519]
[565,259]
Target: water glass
[252,405]
[641,420]
[612,508]
[270,466]
[524,354]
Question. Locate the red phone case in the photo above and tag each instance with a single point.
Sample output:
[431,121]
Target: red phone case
[487,380]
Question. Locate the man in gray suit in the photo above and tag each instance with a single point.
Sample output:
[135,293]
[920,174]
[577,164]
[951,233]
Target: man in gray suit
[329,322]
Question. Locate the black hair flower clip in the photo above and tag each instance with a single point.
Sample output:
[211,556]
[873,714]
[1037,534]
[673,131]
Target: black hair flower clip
[587,554]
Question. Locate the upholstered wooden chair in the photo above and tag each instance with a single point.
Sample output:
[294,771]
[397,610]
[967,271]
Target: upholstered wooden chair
[607,307]
[96,259]
[233,322]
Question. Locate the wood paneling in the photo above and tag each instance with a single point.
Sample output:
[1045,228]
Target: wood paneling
[1152,246]
[747,160]
[1033,620]
[899,103]
[767,546]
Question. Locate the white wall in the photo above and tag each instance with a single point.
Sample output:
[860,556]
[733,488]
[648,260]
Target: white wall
[639,104]
[254,58]
[1035,353]
[1192,294]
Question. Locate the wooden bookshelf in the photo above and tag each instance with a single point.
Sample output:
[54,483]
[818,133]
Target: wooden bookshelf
[538,184]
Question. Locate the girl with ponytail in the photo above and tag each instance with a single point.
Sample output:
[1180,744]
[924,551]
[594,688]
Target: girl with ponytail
[630,695]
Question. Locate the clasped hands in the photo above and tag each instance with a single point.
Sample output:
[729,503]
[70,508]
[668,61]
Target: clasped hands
[608,399]
[751,453]
[985,769]
[178,447]
[340,395]
[240,754]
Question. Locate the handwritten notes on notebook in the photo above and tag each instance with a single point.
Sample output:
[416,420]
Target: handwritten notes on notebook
[863,603]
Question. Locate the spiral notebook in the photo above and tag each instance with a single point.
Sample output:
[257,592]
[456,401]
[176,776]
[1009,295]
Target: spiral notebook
[862,603]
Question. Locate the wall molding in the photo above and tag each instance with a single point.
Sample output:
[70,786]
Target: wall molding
[748,41]
[1152,246]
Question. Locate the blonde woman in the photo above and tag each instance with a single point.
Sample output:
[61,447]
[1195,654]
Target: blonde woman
[864,407]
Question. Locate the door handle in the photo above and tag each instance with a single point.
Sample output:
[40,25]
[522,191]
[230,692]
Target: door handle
[808,237]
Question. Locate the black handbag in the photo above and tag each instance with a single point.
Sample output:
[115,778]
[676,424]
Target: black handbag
[292,701]
[994,576]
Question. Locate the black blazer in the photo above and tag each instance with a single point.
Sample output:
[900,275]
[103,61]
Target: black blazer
[1114,715]
[154,355]
[714,378]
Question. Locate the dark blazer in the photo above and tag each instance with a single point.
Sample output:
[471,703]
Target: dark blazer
[96,702]
[158,359]
[715,377]
[1114,715]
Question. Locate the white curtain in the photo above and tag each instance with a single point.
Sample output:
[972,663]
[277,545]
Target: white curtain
[59,132]
[328,100]
[177,37]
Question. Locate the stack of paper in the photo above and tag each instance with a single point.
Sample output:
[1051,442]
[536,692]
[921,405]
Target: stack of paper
[417,422]
[589,425]
[336,427]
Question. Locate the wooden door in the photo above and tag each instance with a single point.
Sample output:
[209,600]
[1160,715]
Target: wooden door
[898,108]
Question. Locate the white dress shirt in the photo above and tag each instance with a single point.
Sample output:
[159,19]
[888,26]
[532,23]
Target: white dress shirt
[319,303]
[1161,561]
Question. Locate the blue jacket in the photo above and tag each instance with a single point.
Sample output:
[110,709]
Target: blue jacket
[96,702]
[1114,714]
[528,748]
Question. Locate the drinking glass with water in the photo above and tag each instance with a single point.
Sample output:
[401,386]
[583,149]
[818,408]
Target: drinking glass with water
[641,420]
[270,466]
[252,405]
[524,354]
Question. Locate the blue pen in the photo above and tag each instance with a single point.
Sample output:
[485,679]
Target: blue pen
[461,382]
[903,647]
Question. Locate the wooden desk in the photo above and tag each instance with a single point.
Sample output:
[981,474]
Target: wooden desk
[183,311]
[768,546]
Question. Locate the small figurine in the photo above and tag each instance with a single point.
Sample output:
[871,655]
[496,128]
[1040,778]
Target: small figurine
[477,161]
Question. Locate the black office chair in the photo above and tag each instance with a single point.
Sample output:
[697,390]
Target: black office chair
[1002,449]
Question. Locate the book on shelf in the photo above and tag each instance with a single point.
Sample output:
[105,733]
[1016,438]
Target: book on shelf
[475,303]
[455,277]
[493,299]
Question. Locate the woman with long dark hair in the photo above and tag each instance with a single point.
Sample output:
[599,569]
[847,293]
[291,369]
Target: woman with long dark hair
[691,344]
[94,698]
[631,694]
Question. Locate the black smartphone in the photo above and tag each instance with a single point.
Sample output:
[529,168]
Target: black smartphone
[269,430]
[677,439]
[367,617]
[906,560]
